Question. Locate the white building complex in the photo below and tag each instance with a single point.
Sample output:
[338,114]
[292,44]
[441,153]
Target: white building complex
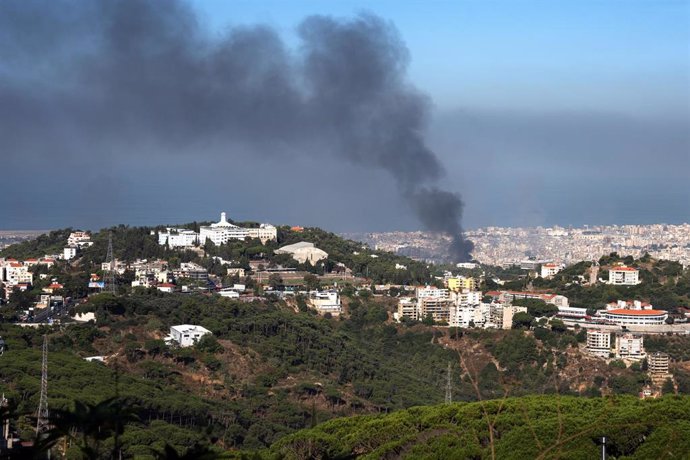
[625,276]
[219,233]
[178,238]
[186,335]
[223,231]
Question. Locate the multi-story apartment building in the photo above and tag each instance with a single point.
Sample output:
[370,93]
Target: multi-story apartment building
[435,302]
[79,239]
[599,343]
[501,315]
[407,308]
[264,232]
[69,252]
[466,297]
[437,307]
[461,283]
[622,275]
[630,346]
[17,273]
[468,316]
[192,271]
[550,269]
[657,363]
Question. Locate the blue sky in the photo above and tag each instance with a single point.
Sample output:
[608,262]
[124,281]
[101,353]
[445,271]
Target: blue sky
[542,113]
[621,56]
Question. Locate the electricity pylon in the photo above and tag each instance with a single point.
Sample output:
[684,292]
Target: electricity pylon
[449,386]
[109,272]
[42,422]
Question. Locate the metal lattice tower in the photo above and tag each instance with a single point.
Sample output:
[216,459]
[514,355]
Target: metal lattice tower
[449,385]
[109,274]
[42,413]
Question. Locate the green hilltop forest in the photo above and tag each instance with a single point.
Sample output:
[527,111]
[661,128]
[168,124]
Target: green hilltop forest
[276,379]
[533,427]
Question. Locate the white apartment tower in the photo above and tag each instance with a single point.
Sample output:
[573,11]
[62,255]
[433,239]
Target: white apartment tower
[599,343]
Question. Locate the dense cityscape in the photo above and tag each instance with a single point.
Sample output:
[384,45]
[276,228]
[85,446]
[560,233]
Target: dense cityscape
[507,246]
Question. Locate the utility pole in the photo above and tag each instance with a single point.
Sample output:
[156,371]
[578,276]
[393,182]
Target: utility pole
[42,413]
[449,385]
[109,275]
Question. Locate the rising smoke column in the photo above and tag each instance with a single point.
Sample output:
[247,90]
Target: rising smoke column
[121,75]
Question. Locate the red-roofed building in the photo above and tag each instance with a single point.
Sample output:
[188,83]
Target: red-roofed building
[629,317]
[166,287]
[624,276]
[49,261]
[550,269]
[16,273]
[52,288]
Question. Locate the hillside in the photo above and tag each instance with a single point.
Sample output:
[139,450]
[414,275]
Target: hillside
[273,366]
[536,427]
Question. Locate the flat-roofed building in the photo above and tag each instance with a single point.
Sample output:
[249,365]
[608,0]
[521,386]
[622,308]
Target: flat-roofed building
[467,316]
[438,307]
[178,238]
[599,343]
[435,302]
[461,283]
[630,346]
[501,315]
[326,302]
[657,363]
[186,335]
[408,309]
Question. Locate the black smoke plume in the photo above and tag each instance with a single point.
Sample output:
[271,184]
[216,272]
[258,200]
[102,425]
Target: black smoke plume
[82,77]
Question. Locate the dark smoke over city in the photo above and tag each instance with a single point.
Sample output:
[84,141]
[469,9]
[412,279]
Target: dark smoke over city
[112,78]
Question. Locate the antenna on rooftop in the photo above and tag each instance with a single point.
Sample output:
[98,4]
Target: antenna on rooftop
[449,385]
[109,272]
